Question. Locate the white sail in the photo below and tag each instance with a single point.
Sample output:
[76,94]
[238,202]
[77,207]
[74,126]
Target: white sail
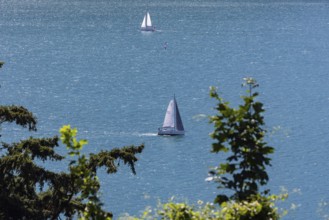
[148,20]
[147,23]
[169,120]
[144,22]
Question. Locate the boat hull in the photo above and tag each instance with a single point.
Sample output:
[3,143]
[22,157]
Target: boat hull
[147,29]
[170,131]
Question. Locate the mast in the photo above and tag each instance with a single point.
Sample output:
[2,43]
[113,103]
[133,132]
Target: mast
[175,106]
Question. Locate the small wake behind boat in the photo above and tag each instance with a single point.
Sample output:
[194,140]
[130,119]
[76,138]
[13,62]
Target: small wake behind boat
[172,124]
[147,23]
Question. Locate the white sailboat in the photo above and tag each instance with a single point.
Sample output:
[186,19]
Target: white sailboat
[172,124]
[147,23]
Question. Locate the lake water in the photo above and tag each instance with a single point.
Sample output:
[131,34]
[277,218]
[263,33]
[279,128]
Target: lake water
[86,63]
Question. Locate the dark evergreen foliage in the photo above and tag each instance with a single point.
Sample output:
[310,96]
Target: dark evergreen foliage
[29,191]
[18,114]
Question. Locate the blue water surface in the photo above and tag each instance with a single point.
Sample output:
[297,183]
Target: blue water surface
[86,63]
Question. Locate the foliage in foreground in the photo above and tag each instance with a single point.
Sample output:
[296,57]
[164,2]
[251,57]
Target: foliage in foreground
[241,133]
[257,207]
[30,191]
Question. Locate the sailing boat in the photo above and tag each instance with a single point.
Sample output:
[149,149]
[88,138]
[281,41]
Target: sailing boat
[147,23]
[172,124]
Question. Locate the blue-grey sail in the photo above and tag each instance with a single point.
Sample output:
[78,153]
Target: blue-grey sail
[172,124]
